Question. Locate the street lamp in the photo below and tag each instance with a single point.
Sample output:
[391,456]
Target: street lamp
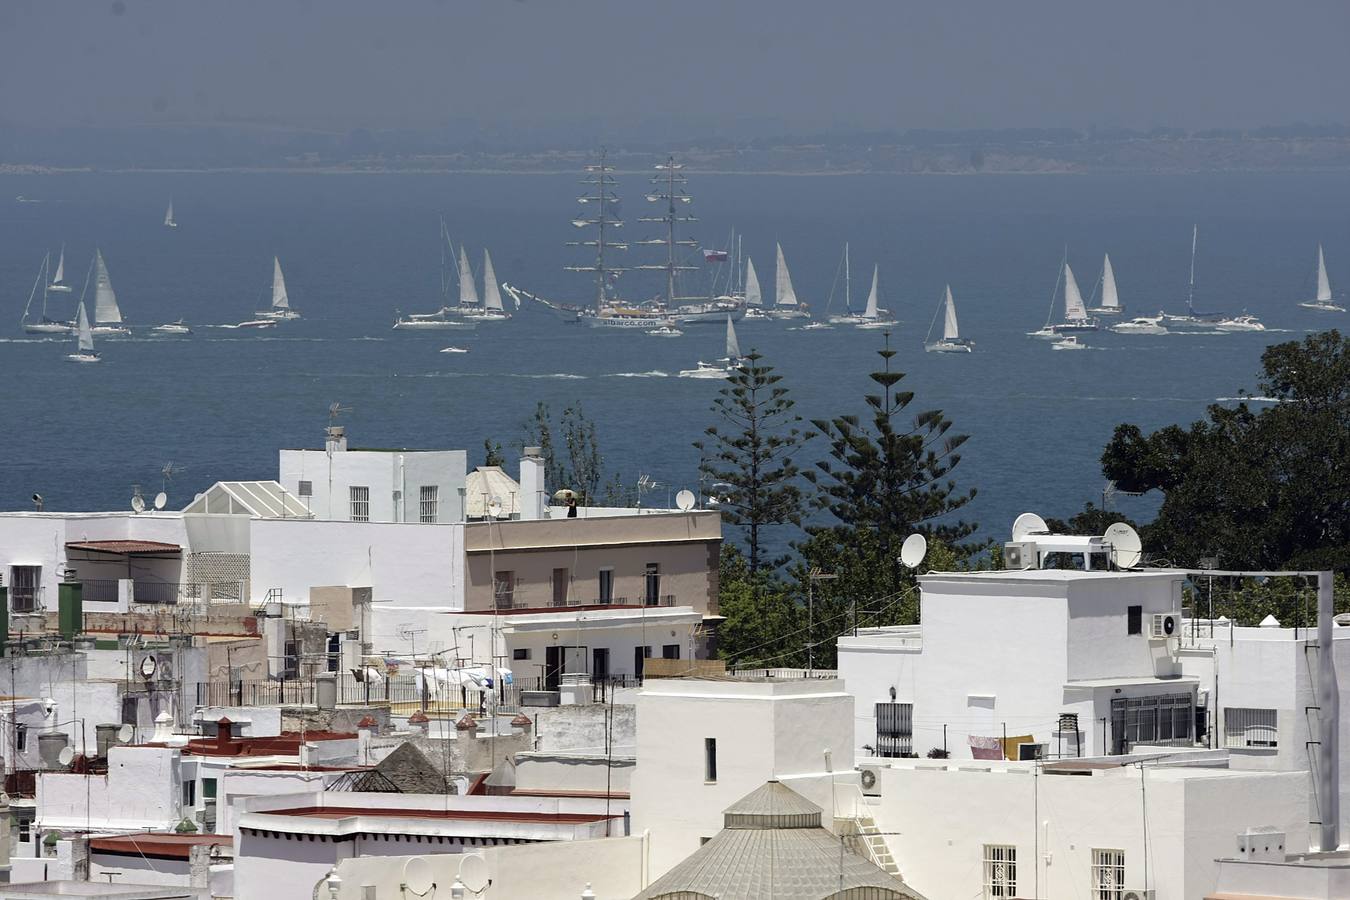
[814,575]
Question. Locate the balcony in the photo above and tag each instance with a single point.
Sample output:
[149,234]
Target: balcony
[123,592]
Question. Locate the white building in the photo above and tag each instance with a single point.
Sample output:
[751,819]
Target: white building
[702,745]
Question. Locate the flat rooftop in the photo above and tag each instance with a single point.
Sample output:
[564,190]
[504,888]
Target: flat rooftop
[466,815]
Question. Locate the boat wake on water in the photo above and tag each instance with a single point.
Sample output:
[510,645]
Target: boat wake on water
[655,373]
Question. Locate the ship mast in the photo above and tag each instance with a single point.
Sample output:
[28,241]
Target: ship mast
[669,185]
[600,182]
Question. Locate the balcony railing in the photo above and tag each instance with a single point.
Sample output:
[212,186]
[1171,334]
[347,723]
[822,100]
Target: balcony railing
[108,590]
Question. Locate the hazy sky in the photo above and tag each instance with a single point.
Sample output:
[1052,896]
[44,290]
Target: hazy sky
[736,65]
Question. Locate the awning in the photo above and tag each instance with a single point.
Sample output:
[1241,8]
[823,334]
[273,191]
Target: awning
[125,548]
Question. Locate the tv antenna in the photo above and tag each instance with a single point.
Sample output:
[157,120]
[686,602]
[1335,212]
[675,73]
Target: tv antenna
[166,473]
[336,409]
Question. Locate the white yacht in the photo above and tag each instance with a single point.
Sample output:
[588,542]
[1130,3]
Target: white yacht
[848,316]
[84,337]
[43,325]
[722,368]
[1141,325]
[178,327]
[1110,305]
[786,304]
[107,314]
[873,315]
[281,302]
[168,216]
[454,349]
[1244,322]
[1075,311]
[1323,299]
[666,331]
[951,340]
[492,310]
[754,297]
[1068,342]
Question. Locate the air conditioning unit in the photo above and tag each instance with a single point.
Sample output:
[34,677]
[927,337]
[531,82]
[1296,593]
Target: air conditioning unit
[871,784]
[1019,555]
[1138,894]
[1165,626]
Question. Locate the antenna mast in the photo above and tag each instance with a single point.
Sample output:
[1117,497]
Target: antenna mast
[669,185]
[600,182]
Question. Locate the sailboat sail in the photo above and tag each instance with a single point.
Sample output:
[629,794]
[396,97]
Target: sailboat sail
[1323,282]
[1073,298]
[1110,299]
[279,298]
[872,309]
[492,296]
[468,293]
[786,296]
[733,345]
[60,276]
[753,297]
[168,214]
[86,334]
[950,331]
[106,311]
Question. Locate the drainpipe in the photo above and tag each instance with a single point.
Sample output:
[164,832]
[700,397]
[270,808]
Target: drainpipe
[402,490]
[1329,701]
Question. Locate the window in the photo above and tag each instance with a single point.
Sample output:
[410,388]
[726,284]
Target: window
[21,738]
[606,585]
[306,489]
[334,651]
[189,794]
[1244,727]
[360,503]
[25,830]
[710,759]
[428,510]
[640,656]
[895,729]
[504,589]
[1000,871]
[1167,719]
[1134,616]
[1108,874]
[208,789]
[290,659]
[653,585]
[25,587]
[670,651]
[520,653]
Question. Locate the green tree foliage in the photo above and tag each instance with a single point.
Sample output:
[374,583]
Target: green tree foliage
[1247,601]
[763,622]
[1091,520]
[572,457]
[1263,489]
[492,453]
[748,456]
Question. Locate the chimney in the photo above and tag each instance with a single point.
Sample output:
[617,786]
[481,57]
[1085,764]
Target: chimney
[224,735]
[1329,699]
[163,729]
[533,494]
[335,438]
[418,723]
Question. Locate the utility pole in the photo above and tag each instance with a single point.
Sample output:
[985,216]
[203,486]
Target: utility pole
[811,578]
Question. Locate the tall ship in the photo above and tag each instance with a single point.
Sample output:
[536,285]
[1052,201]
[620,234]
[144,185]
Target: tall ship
[670,189]
[601,213]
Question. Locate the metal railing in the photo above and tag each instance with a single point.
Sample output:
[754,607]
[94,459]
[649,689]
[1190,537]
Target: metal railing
[99,590]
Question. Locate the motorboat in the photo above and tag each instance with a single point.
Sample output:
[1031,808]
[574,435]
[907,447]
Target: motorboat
[1140,325]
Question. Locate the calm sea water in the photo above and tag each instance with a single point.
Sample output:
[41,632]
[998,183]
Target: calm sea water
[220,403]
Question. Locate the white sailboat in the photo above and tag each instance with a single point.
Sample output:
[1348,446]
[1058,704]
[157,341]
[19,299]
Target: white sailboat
[107,314]
[848,317]
[873,316]
[754,297]
[58,283]
[1323,299]
[168,216]
[492,295]
[281,302]
[442,318]
[722,368]
[951,340]
[84,347]
[44,325]
[786,304]
[1110,305]
[1075,311]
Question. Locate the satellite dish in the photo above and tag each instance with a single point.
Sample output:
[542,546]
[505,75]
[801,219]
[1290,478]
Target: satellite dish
[417,876]
[473,872]
[1126,548]
[684,500]
[913,550]
[138,503]
[66,756]
[125,734]
[160,499]
[1028,524]
[148,665]
[494,508]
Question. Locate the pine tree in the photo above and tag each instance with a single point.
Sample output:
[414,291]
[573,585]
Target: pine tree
[749,456]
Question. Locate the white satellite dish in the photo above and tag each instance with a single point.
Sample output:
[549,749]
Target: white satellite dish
[913,550]
[1026,525]
[1126,548]
[494,507]
[418,876]
[160,499]
[473,872]
[125,734]
[66,756]
[138,503]
[684,500]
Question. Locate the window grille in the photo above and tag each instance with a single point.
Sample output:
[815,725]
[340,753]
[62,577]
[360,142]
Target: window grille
[428,511]
[895,729]
[1245,727]
[1166,719]
[360,503]
[1000,871]
[1108,874]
